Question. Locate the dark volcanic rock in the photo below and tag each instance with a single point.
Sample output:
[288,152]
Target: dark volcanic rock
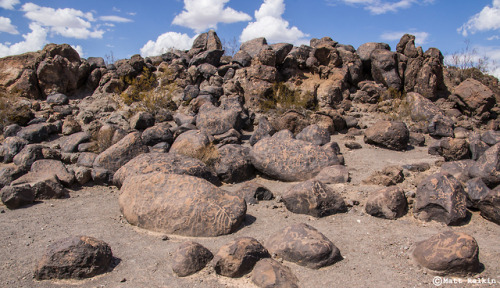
[180,204]
[448,253]
[189,258]
[17,196]
[54,166]
[314,134]
[168,163]
[214,120]
[120,153]
[333,175]
[74,258]
[313,198]
[388,203]
[290,159]
[487,167]
[489,206]
[234,164]
[476,191]
[303,245]
[253,192]
[269,273]
[390,135]
[45,185]
[70,143]
[475,97]
[238,257]
[389,176]
[264,129]
[157,134]
[384,68]
[11,147]
[459,169]
[441,197]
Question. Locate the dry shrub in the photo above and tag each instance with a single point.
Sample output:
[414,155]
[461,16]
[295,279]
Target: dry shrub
[207,154]
[285,98]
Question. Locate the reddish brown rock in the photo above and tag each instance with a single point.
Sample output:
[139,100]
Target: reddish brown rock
[476,97]
[74,257]
[303,245]
[180,204]
[269,273]
[448,253]
[388,203]
[189,258]
[238,257]
[387,134]
[120,153]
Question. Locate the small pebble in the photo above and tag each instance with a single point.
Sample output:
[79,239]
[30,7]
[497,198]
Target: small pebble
[165,238]
[123,280]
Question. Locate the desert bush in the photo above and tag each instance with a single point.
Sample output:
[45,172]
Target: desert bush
[230,46]
[284,98]
[208,154]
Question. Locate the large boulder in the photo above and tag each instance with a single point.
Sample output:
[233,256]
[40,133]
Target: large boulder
[11,147]
[120,153]
[424,74]
[168,163]
[442,198]
[313,198]
[365,51]
[189,258]
[314,134]
[54,166]
[392,135]
[74,257]
[192,143]
[489,206]
[45,185]
[239,256]
[449,252]
[290,159]
[303,245]
[180,204]
[475,97]
[384,67]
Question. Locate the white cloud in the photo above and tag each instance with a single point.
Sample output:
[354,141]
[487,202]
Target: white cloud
[420,37]
[487,19]
[6,26]
[494,37]
[66,22]
[165,42]
[78,49]
[113,18]
[271,25]
[35,40]
[382,6]
[201,15]
[8,4]
[489,55]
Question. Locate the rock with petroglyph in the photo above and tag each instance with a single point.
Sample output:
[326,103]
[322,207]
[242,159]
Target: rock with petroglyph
[313,198]
[448,253]
[291,159]
[168,163]
[180,204]
[233,164]
[303,245]
[440,197]
[487,167]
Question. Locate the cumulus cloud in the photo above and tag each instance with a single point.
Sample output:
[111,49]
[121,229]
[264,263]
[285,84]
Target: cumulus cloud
[420,37]
[66,22]
[35,40]
[165,42]
[201,15]
[113,18]
[6,26]
[271,25]
[487,19]
[381,7]
[8,4]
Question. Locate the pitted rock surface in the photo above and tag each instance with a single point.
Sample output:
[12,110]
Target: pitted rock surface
[386,134]
[238,257]
[442,198]
[269,273]
[74,257]
[120,153]
[314,134]
[234,164]
[189,258]
[448,253]
[303,245]
[181,205]
[291,160]
[476,191]
[388,203]
[168,163]
[459,169]
[215,120]
[313,198]
[489,206]
[487,167]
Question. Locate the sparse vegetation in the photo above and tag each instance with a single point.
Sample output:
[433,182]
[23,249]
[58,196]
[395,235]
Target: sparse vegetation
[284,98]
[208,154]
[230,46]
[152,91]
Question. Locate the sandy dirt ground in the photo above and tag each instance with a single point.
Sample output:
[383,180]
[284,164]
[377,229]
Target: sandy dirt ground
[375,251]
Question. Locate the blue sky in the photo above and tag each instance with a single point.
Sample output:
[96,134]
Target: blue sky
[124,28]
